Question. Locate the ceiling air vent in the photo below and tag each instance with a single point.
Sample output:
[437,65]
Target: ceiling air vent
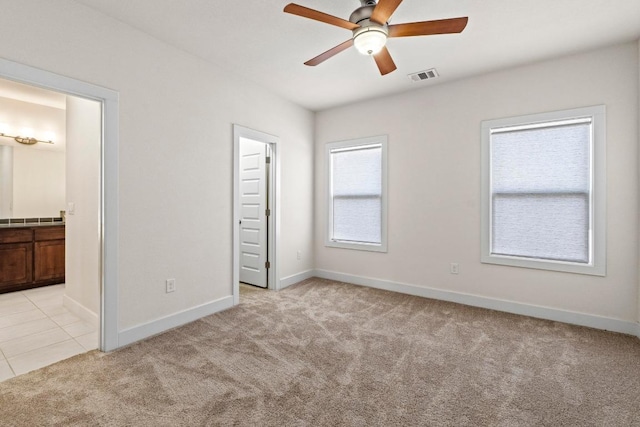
[424,75]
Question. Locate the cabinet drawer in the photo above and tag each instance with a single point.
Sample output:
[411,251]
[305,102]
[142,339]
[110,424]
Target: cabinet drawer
[16,235]
[49,233]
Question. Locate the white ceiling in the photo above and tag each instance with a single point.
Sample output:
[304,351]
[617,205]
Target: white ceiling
[255,39]
[32,94]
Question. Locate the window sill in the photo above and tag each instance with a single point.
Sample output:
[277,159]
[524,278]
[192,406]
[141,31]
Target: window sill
[566,267]
[368,247]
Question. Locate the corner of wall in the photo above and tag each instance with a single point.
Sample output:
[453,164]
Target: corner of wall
[296,278]
[638,129]
[80,310]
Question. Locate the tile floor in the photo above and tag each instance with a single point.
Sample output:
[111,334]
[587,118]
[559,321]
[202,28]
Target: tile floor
[36,330]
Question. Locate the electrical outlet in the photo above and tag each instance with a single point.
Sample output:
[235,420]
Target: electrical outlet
[299,255]
[171,285]
[454,268]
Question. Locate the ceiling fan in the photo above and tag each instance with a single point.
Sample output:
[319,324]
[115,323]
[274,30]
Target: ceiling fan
[370,27]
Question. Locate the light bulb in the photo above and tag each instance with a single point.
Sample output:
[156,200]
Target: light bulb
[370,41]
[26,132]
[49,136]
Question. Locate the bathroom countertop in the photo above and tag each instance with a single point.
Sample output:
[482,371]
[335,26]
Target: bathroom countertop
[35,224]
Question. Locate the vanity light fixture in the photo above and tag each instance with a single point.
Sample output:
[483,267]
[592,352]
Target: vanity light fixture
[28,139]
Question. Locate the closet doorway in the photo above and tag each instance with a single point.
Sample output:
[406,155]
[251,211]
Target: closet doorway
[256,219]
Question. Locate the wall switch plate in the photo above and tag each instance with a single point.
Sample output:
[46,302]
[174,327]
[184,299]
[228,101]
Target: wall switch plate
[454,268]
[71,208]
[171,285]
[299,255]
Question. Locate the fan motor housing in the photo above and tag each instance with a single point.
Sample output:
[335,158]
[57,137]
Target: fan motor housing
[361,13]
[370,26]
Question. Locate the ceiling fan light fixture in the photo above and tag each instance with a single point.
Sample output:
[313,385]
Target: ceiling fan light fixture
[370,29]
[369,40]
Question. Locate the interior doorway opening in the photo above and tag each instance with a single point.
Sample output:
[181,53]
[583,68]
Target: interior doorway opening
[107,198]
[49,214]
[255,212]
[255,227]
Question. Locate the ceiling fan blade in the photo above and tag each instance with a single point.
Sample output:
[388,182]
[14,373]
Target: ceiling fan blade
[426,28]
[383,10]
[384,61]
[328,54]
[305,12]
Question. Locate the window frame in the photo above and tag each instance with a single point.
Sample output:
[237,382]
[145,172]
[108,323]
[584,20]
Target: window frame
[597,232]
[381,140]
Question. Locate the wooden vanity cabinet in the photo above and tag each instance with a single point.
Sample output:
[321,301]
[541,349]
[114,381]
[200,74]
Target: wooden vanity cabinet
[48,254]
[31,257]
[16,258]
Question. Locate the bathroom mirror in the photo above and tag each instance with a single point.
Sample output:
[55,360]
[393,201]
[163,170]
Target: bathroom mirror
[32,182]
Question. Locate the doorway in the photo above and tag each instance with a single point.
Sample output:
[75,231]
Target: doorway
[108,185]
[255,210]
[255,227]
[50,295]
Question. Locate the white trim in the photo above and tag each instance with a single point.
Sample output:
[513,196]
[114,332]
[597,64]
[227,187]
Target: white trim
[348,145]
[81,311]
[296,278]
[574,318]
[597,266]
[109,181]
[274,219]
[163,324]
[110,237]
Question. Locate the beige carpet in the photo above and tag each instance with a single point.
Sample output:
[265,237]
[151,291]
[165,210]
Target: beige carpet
[323,353]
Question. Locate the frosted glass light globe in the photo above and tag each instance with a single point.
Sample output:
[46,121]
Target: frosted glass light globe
[370,42]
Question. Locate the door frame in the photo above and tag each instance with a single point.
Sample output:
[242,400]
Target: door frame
[273,277]
[108,211]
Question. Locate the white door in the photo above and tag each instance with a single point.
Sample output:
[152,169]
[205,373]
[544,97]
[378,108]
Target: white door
[253,215]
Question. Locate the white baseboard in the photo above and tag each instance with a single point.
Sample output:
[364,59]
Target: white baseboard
[295,278]
[81,311]
[155,327]
[582,319]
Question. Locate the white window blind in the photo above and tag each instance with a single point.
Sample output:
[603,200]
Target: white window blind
[356,194]
[544,191]
[356,191]
[540,191]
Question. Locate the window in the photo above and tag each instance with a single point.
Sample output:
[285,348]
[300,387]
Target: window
[357,199]
[543,191]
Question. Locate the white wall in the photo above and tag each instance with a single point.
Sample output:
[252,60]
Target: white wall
[6,181]
[434,181]
[38,183]
[175,152]
[82,245]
